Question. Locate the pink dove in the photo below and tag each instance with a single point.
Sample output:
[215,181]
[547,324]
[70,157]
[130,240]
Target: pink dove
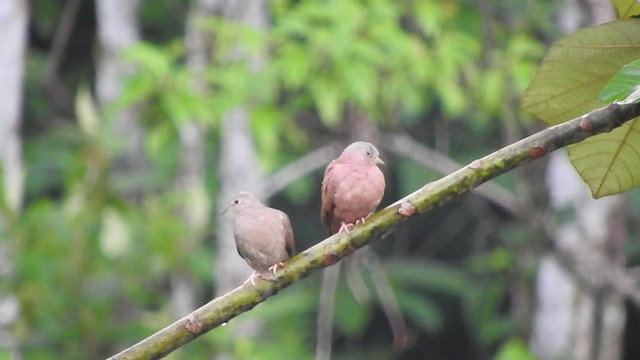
[352,187]
[263,235]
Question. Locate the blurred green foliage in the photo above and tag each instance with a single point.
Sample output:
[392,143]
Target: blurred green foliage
[93,266]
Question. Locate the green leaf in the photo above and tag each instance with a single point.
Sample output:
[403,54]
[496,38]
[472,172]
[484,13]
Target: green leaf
[174,104]
[292,301]
[419,309]
[514,349]
[427,276]
[413,176]
[264,121]
[327,96]
[359,82]
[499,259]
[523,54]
[493,95]
[350,316]
[301,190]
[623,87]
[294,64]
[137,88]
[430,16]
[577,67]
[627,8]
[608,162]
[87,113]
[496,329]
[158,137]
[151,58]
[567,84]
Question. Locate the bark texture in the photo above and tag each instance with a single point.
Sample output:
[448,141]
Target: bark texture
[13,26]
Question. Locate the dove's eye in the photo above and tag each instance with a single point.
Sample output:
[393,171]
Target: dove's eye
[236,201]
[368,153]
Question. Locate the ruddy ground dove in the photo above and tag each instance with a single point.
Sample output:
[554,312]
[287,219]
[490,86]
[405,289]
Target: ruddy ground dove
[352,187]
[263,235]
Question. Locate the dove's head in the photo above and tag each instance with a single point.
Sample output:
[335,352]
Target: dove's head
[361,153]
[240,201]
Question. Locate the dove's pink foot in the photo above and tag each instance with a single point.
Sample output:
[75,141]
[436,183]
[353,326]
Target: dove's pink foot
[266,275]
[345,228]
[362,221]
[252,278]
[274,267]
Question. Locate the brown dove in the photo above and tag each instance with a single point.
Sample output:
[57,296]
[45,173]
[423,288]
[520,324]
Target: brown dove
[352,187]
[263,235]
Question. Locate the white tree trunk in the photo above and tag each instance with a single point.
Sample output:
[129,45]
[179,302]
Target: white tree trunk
[239,171]
[13,23]
[118,29]
[239,166]
[189,182]
[578,316]
[194,211]
[13,42]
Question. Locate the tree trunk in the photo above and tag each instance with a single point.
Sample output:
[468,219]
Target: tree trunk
[578,316]
[239,165]
[13,26]
[189,182]
[239,168]
[194,211]
[13,22]
[118,30]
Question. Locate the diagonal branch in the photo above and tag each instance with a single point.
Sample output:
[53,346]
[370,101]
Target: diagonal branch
[51,79]
[336,247]
[405,145]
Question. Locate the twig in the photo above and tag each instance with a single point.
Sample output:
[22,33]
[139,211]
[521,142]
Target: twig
[312,161]
[594,271]
[353,276]
[626,284]
[336,247]
[387,299]
[61,37]
[324,333]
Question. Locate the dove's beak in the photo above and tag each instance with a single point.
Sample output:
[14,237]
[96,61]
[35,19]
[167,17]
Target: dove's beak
[225,210]
[379,161]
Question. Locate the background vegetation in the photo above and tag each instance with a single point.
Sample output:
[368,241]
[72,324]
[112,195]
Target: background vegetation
[107,232]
